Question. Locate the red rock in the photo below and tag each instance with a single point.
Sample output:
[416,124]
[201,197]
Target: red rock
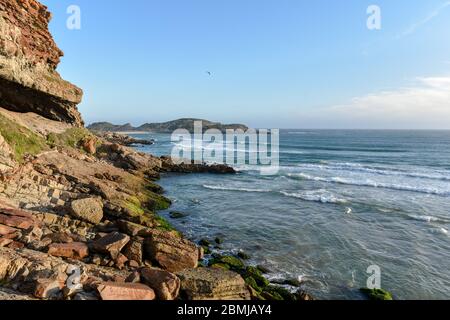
[74,250]
[89,145]
[134,251]
[48,288]
[16,221]
[16,212]
[112,243]
[5,230]
[125,291]
[120,261]
[16,245]
[165,284]
[5,242]
[172,252]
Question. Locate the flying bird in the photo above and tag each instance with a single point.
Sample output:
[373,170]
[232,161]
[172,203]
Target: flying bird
[208,72]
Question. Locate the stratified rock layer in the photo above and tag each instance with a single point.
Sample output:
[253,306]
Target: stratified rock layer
[28,60]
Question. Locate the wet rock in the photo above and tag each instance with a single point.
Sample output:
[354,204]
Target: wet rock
[111,244]
[74,250]
[177,215]
[125,291]
[243,255]
[165,284]
[212,284]
[171,252]
[303,296]
[377,294]
[89,210]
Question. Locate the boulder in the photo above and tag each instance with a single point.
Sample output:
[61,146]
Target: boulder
[212,284]
[125,291]
[165,284]
[111,244]
[74,250]
[89,210]
[134,250]
[171,252]
[88,145]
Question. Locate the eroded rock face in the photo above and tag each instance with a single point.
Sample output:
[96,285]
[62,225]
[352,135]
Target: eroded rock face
[28,60]
[212,284]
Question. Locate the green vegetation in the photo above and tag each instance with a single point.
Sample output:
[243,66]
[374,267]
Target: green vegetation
[70,138]
[21,140]
[377,294]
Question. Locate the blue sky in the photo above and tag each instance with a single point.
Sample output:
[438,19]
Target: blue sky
[273,63]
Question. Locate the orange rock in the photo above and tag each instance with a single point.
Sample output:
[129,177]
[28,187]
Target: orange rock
[16,221]
[125,291]
[165,284]
[89,145]
[5,242]
[74,250]
[5,230]
[16,245]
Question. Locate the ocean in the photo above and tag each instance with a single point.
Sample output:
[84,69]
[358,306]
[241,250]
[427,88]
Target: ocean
[341,202]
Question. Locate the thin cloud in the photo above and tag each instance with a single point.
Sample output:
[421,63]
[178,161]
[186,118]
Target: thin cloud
[413,28]
[423,105]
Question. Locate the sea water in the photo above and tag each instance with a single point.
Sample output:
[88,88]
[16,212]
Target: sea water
[341,202]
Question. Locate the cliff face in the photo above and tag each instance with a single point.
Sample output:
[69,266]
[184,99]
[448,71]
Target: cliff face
[29,56]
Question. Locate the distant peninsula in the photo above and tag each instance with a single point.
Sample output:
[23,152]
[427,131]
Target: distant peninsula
[165,127]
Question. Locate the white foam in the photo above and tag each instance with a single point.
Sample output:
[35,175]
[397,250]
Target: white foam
[424,218]
[321,195]
[224,188]
[373,184]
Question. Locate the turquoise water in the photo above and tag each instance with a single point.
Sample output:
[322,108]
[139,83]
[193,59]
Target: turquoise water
[342,201]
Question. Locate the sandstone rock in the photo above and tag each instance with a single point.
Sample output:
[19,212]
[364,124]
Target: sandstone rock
[5,242]
[5,230]
[28,59]
[134,250]
[16,221]
[48,288]
[133,229]
[59,237]
[74,250]
[134,277]
[125,291]
[16,245]
[213,284]
[89,145]
[90,210]
[111,244]
[165,284]
[120,261]
[172,252]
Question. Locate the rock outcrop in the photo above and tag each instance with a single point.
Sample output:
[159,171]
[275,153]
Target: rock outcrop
[29,56]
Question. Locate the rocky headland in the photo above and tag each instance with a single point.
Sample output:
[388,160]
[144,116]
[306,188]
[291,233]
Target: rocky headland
[78,211]
[165,127]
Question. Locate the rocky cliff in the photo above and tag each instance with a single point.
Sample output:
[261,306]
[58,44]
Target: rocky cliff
[29,56]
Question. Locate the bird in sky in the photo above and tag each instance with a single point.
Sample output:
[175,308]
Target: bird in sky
[208,72]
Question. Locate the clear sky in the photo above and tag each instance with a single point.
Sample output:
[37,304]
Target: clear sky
[273,63]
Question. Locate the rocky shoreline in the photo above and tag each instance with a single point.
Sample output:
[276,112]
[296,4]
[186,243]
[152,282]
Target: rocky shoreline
[79,210]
